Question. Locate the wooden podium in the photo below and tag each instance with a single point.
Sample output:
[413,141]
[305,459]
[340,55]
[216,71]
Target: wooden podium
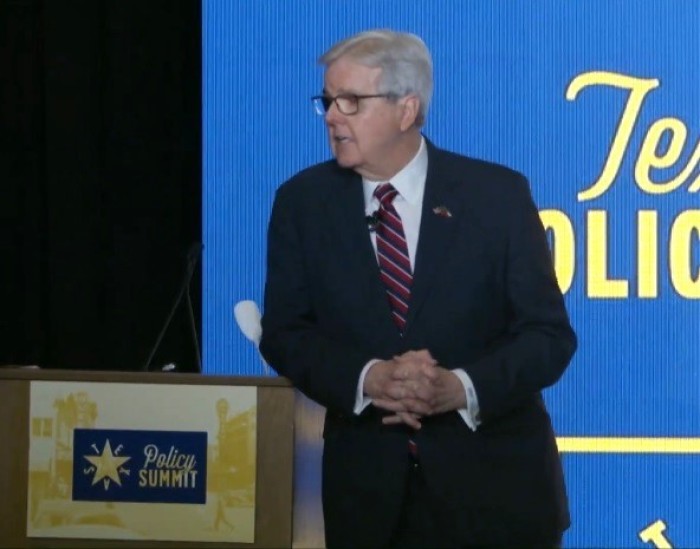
[274,454]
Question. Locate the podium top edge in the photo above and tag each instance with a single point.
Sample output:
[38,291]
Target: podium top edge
[108,376]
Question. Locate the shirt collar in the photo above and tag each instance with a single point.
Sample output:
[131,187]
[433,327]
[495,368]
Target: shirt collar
[409,181]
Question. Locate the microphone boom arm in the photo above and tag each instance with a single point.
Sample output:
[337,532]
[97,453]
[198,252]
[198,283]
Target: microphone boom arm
[192,258]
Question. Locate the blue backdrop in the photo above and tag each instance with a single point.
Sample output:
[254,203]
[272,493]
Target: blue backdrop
[597,103]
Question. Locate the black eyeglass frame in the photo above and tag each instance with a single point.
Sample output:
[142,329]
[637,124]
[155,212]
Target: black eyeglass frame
[326,101]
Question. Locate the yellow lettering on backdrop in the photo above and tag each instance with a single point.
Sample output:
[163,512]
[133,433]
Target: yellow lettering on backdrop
[661,148]
[638,89]
[563,246]
[600,285]
[683,270]
[648,158]
[648,253]
[685,226]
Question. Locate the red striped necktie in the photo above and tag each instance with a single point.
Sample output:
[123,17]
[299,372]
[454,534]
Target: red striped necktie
[392,253]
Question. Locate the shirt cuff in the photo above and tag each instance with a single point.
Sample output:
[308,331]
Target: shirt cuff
[470,414]
[361,400]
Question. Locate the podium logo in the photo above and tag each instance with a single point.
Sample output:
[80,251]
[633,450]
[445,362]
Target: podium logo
[107,466]
[139,466]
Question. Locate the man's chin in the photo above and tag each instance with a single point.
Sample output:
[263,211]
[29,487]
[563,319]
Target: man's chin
[345,162]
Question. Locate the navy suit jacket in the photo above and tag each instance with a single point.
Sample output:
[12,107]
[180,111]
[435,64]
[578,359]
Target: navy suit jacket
[484,298]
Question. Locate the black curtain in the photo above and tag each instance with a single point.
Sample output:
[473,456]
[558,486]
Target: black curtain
[100,111]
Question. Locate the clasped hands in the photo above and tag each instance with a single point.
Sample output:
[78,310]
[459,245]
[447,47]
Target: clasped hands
[412,386]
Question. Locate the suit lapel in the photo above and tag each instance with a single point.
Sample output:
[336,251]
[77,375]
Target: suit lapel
[361,271]
[437,232]
[439,219]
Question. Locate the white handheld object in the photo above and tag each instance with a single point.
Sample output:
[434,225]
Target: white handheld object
[248,318]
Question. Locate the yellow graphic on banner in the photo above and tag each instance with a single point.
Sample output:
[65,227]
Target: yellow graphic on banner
[654,533]
[226,415]
[629,445]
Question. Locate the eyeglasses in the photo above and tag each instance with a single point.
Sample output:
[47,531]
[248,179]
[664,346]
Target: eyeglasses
[347,103]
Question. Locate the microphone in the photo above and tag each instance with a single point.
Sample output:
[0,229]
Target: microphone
[372,221]
[193,254]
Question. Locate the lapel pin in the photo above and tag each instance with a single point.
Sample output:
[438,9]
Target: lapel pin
[442,211]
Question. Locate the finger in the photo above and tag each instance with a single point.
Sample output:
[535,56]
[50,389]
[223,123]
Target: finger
[420,353]
[392,420]
[403,418]
[400,373]
[410,419]
[394,391]
[412,371]
[430,371]
[422,356]
[426,393]
[401,390]
[418,407]
[389,404]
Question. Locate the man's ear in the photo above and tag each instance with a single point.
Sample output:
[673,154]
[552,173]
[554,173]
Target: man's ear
[409,112]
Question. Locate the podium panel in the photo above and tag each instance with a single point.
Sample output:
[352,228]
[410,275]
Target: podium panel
[117,459]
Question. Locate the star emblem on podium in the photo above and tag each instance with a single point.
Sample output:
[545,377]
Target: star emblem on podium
[107,466]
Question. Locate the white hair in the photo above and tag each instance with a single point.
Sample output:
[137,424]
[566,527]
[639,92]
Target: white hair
[403,57]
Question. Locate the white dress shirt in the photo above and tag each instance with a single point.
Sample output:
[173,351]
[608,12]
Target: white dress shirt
[410,184]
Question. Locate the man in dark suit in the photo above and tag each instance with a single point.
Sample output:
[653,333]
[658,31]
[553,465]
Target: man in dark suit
[411,292]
